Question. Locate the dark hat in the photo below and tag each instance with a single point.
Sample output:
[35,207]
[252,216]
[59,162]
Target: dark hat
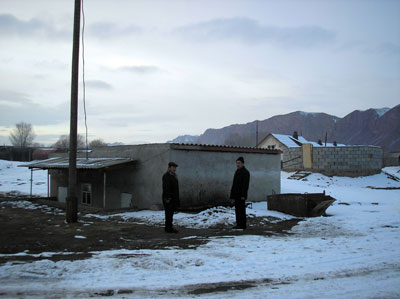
[240,159]
[172,164]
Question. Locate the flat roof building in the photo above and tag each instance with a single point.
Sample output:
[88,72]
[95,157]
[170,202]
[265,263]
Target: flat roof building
[129,176]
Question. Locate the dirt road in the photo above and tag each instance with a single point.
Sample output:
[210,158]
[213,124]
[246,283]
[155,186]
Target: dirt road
[43,229]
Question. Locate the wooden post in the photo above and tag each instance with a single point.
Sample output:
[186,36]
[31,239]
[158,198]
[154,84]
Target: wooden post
[72,198]
[104,190]
[48,183]
[31,180]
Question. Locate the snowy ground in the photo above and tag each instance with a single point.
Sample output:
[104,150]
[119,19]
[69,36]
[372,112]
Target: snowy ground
[355,253]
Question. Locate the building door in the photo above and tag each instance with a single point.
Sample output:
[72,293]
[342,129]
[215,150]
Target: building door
[62,194]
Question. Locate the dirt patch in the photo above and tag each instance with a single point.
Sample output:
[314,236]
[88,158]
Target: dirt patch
[44,229]
[383,188]
[199,289]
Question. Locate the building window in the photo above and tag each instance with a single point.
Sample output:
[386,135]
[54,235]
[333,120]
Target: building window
[87,194]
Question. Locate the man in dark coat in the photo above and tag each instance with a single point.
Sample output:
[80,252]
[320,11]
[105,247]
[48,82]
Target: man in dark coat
[239,190]
[170,195]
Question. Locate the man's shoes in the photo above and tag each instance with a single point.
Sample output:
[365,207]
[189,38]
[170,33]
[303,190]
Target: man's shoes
[238,227]
[171,230]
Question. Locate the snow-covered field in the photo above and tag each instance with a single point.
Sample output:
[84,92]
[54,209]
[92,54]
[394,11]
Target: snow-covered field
[355,253]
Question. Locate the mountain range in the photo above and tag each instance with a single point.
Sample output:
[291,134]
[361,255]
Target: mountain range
[380,127]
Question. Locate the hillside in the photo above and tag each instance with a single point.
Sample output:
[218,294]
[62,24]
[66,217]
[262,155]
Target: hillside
[370,127]
[379,127]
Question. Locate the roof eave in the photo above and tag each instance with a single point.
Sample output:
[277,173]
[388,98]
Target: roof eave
[223,148]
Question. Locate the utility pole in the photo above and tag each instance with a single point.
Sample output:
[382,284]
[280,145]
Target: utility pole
[72,198]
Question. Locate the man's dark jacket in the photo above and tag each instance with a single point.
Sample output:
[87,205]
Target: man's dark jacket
[170,193]
[240,183]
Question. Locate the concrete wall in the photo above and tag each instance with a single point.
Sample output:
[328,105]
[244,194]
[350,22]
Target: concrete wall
[205,177]
[292,159]
[391,159]
[118,181]
[348,160]
[58,178]
[337,160]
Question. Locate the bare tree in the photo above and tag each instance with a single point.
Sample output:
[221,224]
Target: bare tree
[97,143]
[22,135]
[63,142]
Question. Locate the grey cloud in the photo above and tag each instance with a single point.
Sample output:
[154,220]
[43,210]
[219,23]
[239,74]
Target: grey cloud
[250,31]
[111,30]
[15,107]
[13,98]
[388,49]
[130,118]
[98,84]
[351,45]
[12,26]
[52,64]
[141,69]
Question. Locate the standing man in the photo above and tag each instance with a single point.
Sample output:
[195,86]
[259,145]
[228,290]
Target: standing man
[239,189]
[170,195]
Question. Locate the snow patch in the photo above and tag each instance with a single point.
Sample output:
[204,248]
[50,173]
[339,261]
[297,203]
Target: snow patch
[381,111]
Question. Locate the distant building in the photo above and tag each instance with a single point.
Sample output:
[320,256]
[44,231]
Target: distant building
[330,158]
[284,142]
[16,153]
[44,153]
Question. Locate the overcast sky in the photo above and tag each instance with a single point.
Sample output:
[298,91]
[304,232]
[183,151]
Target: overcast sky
[158,69]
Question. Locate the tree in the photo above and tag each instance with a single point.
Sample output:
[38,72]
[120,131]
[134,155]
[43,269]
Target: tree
[63,142]
[22,135]
[97,143]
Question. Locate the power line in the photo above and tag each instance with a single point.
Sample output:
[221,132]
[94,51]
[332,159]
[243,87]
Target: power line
[83,78]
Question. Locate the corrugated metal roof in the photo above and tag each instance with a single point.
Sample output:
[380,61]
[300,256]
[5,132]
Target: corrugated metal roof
[81,163]
[223,148]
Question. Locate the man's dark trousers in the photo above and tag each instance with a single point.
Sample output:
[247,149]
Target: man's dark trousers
[169,214]
[240,211]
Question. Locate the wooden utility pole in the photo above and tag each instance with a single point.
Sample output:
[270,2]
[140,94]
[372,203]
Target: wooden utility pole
[72,198]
